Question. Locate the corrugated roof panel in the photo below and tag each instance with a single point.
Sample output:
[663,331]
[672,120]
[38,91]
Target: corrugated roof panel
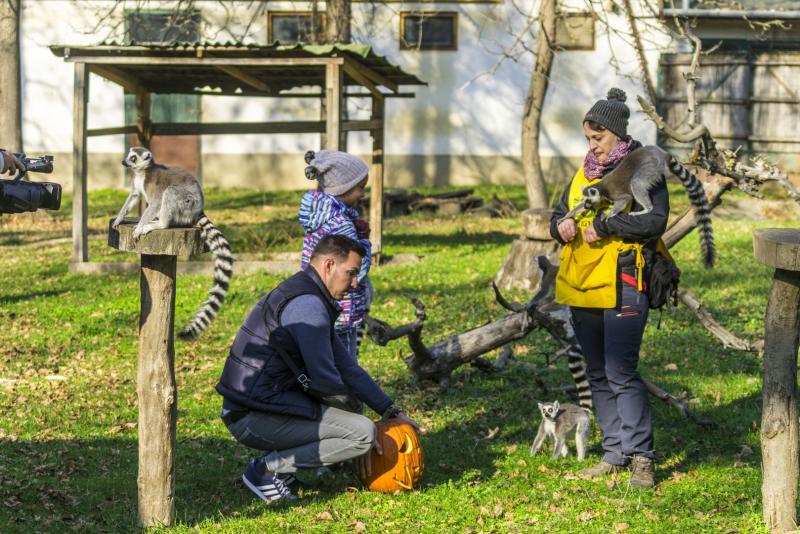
[160,77]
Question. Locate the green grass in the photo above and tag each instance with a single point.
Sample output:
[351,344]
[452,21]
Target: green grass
[68,449]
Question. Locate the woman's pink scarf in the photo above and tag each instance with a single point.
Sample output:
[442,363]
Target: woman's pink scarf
[593,168]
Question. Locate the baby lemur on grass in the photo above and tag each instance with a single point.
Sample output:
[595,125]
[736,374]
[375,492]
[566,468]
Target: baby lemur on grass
[561,421]
[175,199]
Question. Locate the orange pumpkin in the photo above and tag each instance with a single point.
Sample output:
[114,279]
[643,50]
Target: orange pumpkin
[402,462]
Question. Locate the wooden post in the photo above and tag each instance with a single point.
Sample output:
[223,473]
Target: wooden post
[155,381]
[333,106]
[80,208]
[144,131]
[143,122]
[376,194]
[323,116]
[780,441]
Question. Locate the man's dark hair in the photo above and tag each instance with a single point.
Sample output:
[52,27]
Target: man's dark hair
[339,246]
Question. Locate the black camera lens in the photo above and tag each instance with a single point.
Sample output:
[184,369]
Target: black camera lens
[17,196]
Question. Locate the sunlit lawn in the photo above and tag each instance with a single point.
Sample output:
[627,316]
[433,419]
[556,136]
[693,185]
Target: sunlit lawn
[68,348]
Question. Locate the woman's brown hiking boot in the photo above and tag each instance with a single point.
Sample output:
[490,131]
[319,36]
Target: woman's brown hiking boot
[644,472]
[600,469]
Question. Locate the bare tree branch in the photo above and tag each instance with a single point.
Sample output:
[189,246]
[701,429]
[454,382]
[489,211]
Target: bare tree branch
[728,339]
[637,44]
[679,403]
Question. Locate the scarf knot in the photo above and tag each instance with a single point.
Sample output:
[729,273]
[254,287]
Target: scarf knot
[594,168]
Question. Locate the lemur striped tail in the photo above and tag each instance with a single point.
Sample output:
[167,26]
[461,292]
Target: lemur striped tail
[701,208]
[577,366]
[223,270]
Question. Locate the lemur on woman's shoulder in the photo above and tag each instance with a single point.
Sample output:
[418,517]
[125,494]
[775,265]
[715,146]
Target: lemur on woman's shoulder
[643,170]
[174,198]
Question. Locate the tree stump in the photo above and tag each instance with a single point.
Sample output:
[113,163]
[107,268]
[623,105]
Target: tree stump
[155,381]
[519,271]
[780,248]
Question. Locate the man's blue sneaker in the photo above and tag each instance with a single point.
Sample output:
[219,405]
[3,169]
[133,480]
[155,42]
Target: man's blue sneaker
[269,487]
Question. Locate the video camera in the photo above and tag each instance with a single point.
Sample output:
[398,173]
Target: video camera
[18,195]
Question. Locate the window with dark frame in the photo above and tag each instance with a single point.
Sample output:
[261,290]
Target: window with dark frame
[294,26]
[162,27]
[429,30]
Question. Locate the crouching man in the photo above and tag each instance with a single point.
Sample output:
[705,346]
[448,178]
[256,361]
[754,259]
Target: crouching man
[265,406]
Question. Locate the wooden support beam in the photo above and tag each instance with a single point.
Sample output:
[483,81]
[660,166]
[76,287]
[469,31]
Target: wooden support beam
[372,75]
[238,128]
[248,79]
[376,193]
[249,93]
[351,70]
[115,75]
[80,207]
[143,122]
[333,106]
[354,126]
[323,116]
[205,60]
[114,130]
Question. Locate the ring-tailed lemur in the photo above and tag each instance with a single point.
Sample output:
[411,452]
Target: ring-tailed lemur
[561,421]
[640,172]
[577,367]
[174,198]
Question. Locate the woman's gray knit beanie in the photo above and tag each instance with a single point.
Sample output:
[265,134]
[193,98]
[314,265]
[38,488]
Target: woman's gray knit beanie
[337,172]
[611,112]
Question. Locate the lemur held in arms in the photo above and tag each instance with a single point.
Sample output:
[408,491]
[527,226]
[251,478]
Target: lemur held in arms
[561,421]
[641,171]
[174,199]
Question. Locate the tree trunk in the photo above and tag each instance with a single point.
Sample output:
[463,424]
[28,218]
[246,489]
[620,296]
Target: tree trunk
[531,163]
[338,24]
[10,102]
[433,365]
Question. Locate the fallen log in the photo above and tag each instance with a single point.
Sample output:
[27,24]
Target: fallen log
[433,365]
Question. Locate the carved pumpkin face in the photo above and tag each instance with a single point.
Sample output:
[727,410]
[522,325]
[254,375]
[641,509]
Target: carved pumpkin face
[402,462]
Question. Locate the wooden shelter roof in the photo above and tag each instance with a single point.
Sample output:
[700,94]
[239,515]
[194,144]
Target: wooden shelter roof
[228,68]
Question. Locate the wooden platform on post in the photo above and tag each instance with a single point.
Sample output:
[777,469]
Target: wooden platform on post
[155,380]
[780,441]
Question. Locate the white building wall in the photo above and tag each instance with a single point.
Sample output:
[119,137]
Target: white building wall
[464,127]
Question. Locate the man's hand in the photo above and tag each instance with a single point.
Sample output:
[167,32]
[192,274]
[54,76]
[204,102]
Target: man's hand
[567,229]
[590,235]
[11,164]
[363,463]
[403,418]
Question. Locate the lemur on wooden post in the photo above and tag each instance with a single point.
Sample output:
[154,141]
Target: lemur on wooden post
[175,199]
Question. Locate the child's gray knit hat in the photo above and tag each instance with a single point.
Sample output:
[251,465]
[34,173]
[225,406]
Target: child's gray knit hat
[337,172]
[611,112]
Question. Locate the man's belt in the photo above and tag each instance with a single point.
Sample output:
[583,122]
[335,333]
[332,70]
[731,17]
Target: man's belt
[231,417]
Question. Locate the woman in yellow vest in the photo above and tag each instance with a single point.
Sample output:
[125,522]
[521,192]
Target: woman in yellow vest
[601,279]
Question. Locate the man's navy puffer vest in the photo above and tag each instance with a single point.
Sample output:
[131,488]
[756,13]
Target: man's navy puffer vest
[255,375]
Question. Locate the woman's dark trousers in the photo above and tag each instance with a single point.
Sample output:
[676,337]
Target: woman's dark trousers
[610,339]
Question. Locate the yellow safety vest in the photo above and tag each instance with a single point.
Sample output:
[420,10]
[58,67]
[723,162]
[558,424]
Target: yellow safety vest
[587,277]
